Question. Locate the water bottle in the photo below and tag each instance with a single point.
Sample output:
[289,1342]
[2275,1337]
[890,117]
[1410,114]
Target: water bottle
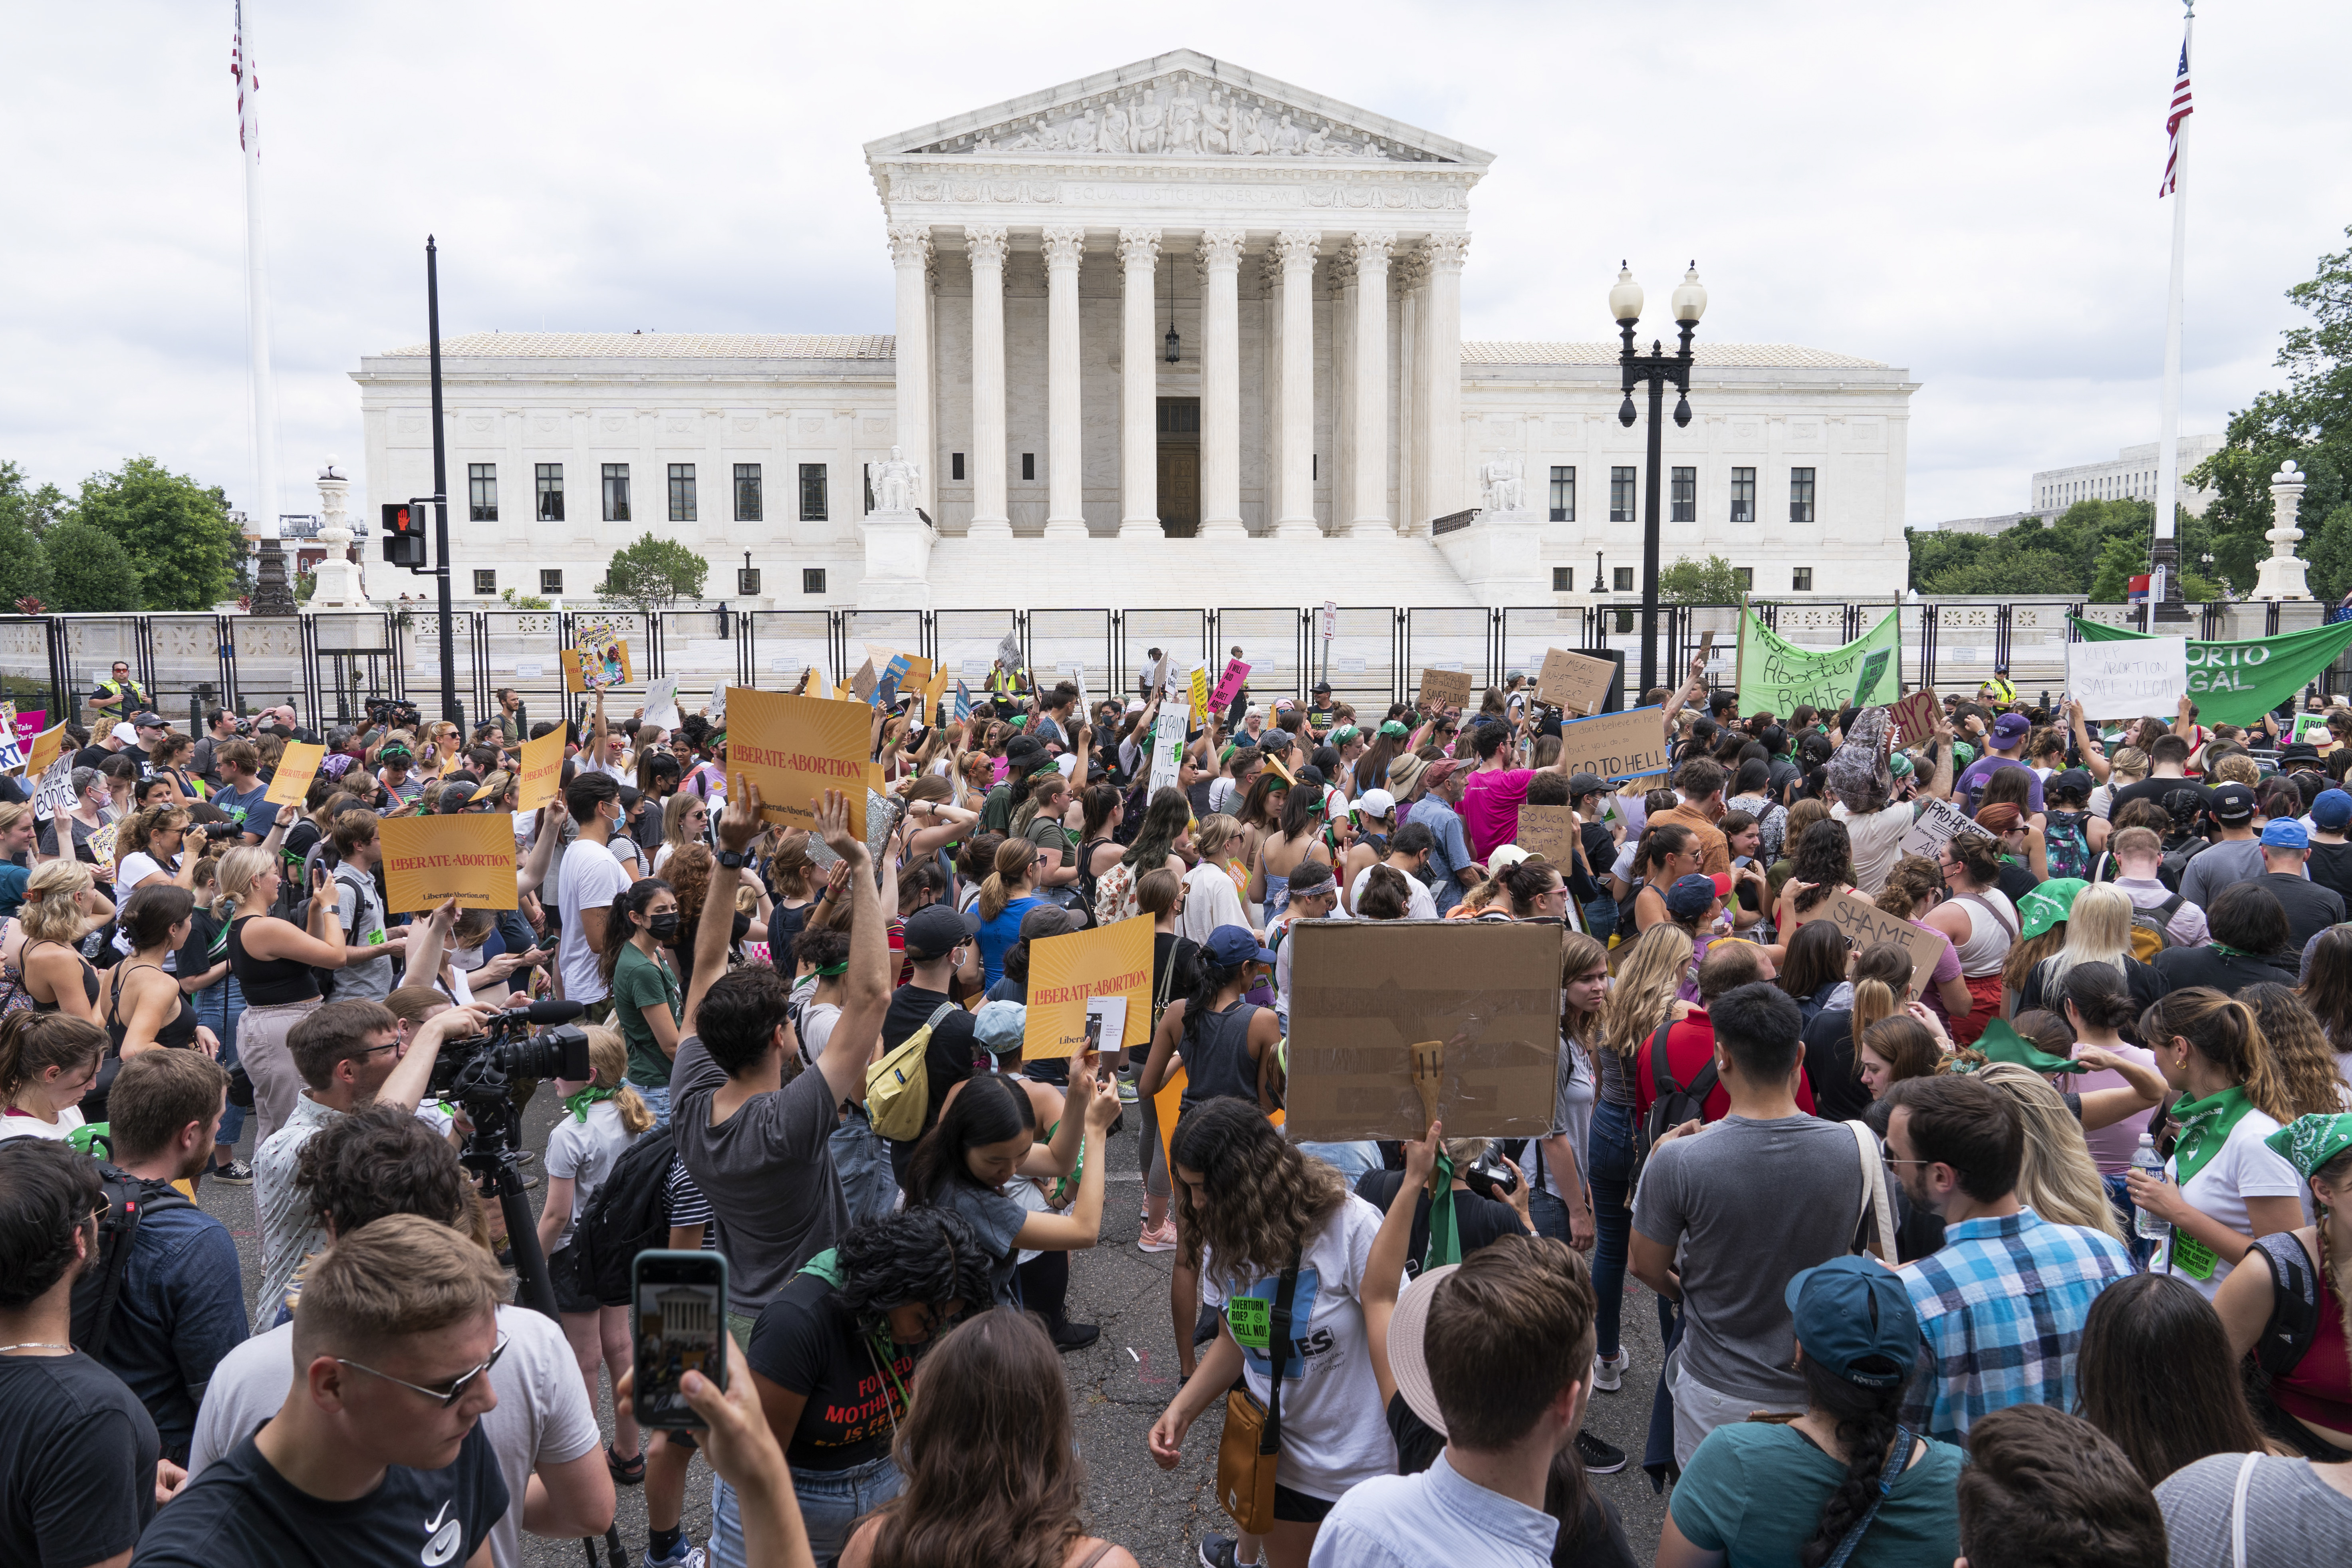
[2145,1223]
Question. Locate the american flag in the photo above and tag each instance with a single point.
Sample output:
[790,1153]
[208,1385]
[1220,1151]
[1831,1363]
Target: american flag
[2179,112]
[246,80]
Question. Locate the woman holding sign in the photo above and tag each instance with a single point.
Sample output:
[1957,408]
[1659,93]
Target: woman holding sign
[272,960]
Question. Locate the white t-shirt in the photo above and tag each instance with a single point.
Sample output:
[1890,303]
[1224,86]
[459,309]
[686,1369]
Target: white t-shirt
[589,879]
[542,1416]
[2245,1168]
[17,1125]
[586,1152]
[1335,1431]
[1210,901]
[136,868]
[1877,842]
[1420,906]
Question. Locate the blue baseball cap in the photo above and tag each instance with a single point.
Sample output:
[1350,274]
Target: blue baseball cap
[2332,810]
[1230,945]
[2286,832]
[1854,1311]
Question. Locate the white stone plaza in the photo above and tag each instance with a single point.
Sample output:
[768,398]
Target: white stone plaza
[1165,335]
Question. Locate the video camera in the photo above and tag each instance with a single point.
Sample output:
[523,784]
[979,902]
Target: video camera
[478,1070]
[393,713]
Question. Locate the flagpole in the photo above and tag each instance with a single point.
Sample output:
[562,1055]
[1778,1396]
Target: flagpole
[2164,554]
[263,524]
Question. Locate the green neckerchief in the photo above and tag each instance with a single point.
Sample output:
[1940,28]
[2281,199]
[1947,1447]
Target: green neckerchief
[2226,951]
[1444,1235]
[578,1104]
[841,968]
[2205,1126]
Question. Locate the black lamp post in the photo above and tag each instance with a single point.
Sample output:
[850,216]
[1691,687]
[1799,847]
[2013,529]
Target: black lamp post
[1656,368]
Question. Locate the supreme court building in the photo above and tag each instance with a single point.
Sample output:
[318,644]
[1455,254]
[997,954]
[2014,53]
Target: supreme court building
[1160,333]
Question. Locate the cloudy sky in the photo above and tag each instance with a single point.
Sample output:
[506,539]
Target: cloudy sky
[1967,191]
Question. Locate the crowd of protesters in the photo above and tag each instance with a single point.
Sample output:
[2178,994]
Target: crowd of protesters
[2021,1241]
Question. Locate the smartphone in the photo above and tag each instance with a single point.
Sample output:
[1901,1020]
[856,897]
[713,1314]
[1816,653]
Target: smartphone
[679,1300]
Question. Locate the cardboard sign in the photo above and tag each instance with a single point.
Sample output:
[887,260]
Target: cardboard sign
[1166,751]
[1065,972]
[46,748]
[1229,684]
[1549,831]
[1444,688]
[296,769]
[661,704]
[543,771]
[2126,680]
[1574,682]
[1863,925]
[29,723]
[597,664]
[1476,1001]
[1615,746]
[1916,716]
[796,748]
[1200,696]
[1932,828]
[428,860]
[55,794]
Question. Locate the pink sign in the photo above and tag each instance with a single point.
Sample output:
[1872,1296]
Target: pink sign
[1229,685]
[30,724]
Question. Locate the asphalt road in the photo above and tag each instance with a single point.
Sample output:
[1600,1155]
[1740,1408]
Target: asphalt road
[1118,1387]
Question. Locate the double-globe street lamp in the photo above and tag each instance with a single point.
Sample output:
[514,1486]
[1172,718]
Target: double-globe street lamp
[1656,368]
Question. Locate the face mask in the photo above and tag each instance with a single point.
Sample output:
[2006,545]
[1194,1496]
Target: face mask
[663,926]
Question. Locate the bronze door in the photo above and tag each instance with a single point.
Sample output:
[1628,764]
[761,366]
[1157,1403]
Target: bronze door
[1180,467]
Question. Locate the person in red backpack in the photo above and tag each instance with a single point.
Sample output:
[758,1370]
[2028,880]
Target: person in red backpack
[1690,1040]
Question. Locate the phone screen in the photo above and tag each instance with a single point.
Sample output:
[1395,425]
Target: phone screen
[680,1326]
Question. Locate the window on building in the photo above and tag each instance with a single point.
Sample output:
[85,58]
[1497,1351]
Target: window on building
[865,485]
[1563,579]
[1800,495]
[550,581]
[812,579]
[1743,495]
[748,502]
[955,465]
[1622,579]
[482,491]
[1621,495]
[1028,465]
[617,492]
[681,492]
[1685,495]
[1801,580]
[551,492]
[1563,495]
[485,582]
[1747,576]
[812,509]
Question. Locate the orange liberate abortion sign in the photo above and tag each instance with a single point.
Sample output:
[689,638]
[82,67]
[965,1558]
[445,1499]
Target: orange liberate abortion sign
[796,748]
[428,860]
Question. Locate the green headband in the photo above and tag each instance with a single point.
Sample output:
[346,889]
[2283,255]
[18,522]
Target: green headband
[2307,1142]
[1344,733]
[1394,728]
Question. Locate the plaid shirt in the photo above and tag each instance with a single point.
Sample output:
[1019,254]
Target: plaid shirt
[2001,1309]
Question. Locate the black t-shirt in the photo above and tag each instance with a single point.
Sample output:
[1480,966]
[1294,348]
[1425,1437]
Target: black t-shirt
[2226,973]
[948,1059]
[97,756]
[77,1461]
[2310,907]
[804,1343]
[1168,948]
[2016,881]
[2331,867]
[1478,1220]
[2155,789]
[240,1511]
[1837,1092]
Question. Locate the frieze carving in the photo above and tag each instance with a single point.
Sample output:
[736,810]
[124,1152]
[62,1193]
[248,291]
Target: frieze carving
[1183,116]
[1418,195]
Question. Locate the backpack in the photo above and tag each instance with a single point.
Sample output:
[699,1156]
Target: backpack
[2151,929]
[13,997]
[2295,1304]
[128,1200]
[1089,883]
[2174,864]
[1676,1103]
[629,1214]
[2065,845]
[899,1087]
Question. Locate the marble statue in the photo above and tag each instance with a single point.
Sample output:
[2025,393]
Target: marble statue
[1113,138]
[894,483]
[1501,477]
[1151,124]
[1216,126]
[1247,139]
[1288,140]
[1184,121]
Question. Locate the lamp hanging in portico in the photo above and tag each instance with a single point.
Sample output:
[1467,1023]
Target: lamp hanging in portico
[1175,344]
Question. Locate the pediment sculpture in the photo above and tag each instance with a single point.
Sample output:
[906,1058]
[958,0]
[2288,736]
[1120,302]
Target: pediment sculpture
[1182,116]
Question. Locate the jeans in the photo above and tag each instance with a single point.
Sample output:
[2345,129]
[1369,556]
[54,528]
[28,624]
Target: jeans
[1352,1160]
[831,1502]
[218,1008]
[656,1099]
[1609,1168]
[861,1162]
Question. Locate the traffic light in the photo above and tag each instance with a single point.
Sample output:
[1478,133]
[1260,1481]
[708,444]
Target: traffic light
[403,533]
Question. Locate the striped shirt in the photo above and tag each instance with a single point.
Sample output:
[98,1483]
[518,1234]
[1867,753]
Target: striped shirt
[2001,1309]
[688,1205]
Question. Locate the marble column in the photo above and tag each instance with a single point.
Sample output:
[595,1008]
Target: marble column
[1441,460]
[1139,387]
[910,253]
[1219,257]
[1411,275]
[1065,516]
[1295,470]
[986,248]
[1342,271]
[1372,248]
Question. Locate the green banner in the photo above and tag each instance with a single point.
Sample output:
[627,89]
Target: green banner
[1776,675]
[2238,682]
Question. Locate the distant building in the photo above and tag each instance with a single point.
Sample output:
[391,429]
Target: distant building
[2131,476]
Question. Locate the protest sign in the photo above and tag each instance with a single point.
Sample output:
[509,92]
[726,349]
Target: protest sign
[1615,746]
[1915,717]
[101,845]
[1065,972]
[1776,675]
[1008,652]
[1229,684]
[46,748]
[12,745]
[593,665]
[661,703]
[1864,925]
[1549,831]
[1932,828]
[2238,682]
[543,771]
[1167,751]
[796,748]
[29,723]
[2126,680]
[296,769]
[428,860]
[1200,696]
[1574,682]
[1475,1002]
[1444,688]
[55,794]
[716,712]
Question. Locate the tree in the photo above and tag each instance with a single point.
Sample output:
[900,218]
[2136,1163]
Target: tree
[653,576]
[1713,581]
[177,533]
[514,601]
[2329,549]
[27,508]
[89,569]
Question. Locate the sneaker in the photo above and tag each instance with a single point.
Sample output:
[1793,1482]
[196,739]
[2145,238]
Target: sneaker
[236,1173]
[1609,1372]
[1599,1458]
[1217,1551]
[1078,1336]
[688,1556]
[1161,1240]
[1127,1091]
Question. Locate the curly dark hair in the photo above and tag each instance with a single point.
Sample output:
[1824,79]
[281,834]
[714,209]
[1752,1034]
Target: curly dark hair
[1260,1199]
[1824,857]
[382,1161]
[927,1255]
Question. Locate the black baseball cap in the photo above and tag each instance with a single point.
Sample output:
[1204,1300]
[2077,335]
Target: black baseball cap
[933,931]
[146,721]
[2234,804]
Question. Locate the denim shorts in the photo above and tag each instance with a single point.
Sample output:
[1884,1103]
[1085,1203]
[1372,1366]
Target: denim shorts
[831,1503]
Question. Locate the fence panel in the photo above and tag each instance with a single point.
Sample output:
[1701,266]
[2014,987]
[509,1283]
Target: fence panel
[1274,644]
[1074,645]
[965,643]
[1182,635]
[352,660]
[783,643]
[1361,662]
[523,649]
[701,649]
[864,631]
[1450,637]
[29,677]
[1528,631]
[92,645]
[267,660]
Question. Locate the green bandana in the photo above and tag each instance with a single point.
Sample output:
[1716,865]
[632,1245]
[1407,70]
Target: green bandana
[2001,1043]
[2307,1142]
[1394,728]
[1343,735]
[2205,1126]
[1444,1235]
[578,1104]
[841,968]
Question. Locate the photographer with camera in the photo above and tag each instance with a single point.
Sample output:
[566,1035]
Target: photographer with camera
[221,727]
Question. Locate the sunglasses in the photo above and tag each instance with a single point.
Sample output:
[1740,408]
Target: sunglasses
[447,1396]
